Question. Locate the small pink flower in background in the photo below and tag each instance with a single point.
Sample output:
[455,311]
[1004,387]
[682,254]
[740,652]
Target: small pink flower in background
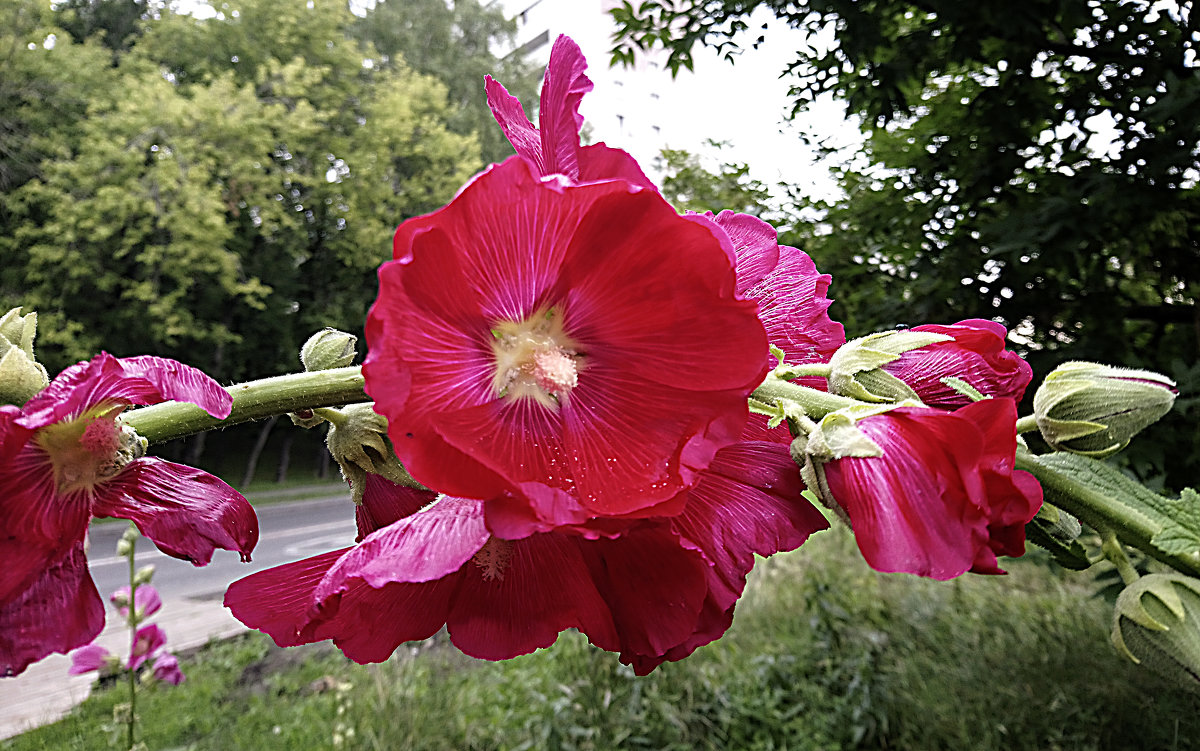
[654,592]
[943,498]
[554,148]
[166,669]
[146,602]
[64,458]
[147,642]
[89,658]
[977,355]
[579,350]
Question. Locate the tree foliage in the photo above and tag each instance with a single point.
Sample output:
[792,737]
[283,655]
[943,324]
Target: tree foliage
[690,186]
[1034,163]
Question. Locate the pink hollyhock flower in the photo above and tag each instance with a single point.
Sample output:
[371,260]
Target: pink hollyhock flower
[577,349]
[942,498]
[555,147]
[977,356]
[792,302]
[146,602]
[148,641]
[657,591]
[166,669]
[64,457]
[89,658]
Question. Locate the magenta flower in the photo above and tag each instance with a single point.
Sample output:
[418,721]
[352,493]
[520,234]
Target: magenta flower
[166,669]
[578,348]
[555,147]
[89,658]
[64,457]
[148,641]
[943,498]
[146,602]
[977,356]
[655,592]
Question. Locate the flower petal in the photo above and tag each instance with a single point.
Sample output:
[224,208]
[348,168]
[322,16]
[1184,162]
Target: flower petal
[543,588]
[130,380]
[279,601]
[89,658]
[185,511]
[61,611]
[508,111]
[558,116]
[385,502]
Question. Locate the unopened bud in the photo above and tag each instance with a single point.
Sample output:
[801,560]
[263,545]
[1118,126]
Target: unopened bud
[144,575]
[328,348]
[359,444]
[856,369]
[1157,624]
[21,376]
[1094,409]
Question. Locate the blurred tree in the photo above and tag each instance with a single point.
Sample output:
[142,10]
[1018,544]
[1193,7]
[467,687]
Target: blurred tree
[690,186]
[1035,163]
[455,41]
[117,22]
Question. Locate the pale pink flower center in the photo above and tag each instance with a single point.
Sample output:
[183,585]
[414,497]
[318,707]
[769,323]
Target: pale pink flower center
[87,450]
[535,358]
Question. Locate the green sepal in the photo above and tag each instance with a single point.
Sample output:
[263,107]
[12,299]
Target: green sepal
[856,366]
[1055,531]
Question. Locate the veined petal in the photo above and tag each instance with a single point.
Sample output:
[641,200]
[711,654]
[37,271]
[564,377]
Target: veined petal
[385,502]
[61,611]
[186,512]
[600,162]
[508,111]
[280,601]
[131,380]
[558,117]
[425,546]
[542,588]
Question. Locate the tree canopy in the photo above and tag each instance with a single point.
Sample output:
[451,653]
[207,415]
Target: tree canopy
[1034,163]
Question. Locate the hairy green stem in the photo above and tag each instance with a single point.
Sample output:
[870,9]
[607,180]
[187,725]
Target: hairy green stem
[255,400]
[1115,553]
[132,641]
[1099,512]
[1027,424]
[816,404]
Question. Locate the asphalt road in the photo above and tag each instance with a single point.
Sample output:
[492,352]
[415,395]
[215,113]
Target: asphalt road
[192,612]
[287,532]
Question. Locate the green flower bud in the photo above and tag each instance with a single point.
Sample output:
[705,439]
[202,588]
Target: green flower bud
[359,444]
[21,376]
[144,575]
[856,369]
[328,348]
[1095,410]
[1157,624]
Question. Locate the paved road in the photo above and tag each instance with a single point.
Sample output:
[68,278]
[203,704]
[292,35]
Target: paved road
[192,612]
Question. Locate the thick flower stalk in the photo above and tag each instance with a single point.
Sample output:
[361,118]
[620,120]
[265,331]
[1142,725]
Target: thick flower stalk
[654,592]
[66,457]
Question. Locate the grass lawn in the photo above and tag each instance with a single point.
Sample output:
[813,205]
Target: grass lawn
[824,655]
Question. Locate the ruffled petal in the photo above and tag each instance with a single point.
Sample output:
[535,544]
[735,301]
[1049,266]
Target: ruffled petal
[428,545]
[748,503]
[186,512]
[977,355]
[600,162]
[539,587]
[280,601]
[654,587]
[755,243]
[508,111]
[61,611]
[130,380]
[385,502]
[558,117]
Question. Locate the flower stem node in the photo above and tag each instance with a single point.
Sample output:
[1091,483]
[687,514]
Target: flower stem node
[359,444]
[1095,410]
[21,376]
[328,349]
[857,367]
[1157,624]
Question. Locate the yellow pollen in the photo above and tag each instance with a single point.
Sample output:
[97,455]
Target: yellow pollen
[89,449]
[535,358]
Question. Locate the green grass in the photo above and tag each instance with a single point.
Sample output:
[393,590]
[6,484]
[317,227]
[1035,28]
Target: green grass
[824,655]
